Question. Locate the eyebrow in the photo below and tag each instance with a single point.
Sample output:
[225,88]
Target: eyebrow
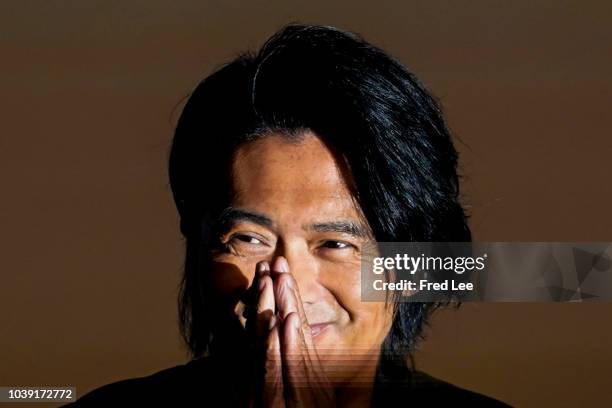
[231,216]
[344,227]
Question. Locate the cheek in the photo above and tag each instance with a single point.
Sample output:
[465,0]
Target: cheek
[369,321]
[344,281]
[228,281]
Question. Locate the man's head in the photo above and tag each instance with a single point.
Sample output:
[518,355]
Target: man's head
[313,147]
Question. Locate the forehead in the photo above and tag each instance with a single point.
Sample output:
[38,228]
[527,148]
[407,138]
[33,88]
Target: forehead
[272,172]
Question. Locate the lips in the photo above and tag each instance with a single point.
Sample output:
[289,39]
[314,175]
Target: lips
[318,328]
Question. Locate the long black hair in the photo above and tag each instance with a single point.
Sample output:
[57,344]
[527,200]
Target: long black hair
[359,100]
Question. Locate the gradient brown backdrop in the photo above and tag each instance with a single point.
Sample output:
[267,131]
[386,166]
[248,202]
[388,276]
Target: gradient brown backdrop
[90,250]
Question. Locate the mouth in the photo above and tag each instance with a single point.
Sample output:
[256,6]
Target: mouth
[318,328]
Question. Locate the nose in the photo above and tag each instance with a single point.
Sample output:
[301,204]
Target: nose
[304,269]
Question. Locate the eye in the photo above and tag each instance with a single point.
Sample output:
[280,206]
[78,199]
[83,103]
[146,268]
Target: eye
[333,250]
[246,245]
[337,245]
[247,239]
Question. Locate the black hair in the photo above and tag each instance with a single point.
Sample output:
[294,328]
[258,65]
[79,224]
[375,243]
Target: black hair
[359,100]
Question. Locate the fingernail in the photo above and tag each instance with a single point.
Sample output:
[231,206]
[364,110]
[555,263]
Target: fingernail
[281,264]
[272,323]
[296,323]
[262,268]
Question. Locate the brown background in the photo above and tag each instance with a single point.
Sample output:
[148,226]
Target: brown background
[90,250]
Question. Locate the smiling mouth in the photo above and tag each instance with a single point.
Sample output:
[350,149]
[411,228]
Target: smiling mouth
[318,328]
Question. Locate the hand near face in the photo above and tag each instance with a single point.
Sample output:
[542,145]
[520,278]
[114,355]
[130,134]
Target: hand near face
[288,368]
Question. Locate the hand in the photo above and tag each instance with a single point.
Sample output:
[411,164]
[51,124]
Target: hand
[288,368]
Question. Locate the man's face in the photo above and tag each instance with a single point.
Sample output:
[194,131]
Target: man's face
[290,199]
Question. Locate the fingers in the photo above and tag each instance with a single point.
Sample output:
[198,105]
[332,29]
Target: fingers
[293,375]
[304,381]
[292,359]
[268,343]
[265,307]
[287,296]
[272,388]
[293,356]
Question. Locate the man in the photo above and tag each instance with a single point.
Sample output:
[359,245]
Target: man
[285,165]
